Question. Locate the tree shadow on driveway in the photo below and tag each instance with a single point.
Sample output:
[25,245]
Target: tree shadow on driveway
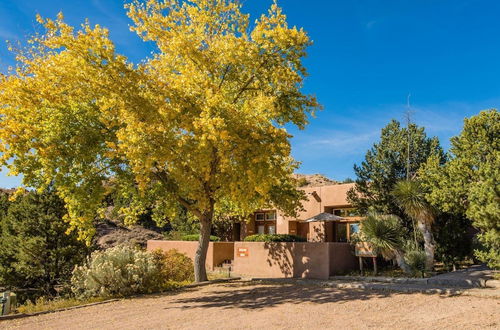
[255,296]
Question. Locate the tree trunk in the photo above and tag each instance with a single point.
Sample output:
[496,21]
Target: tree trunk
[429,244]
[200,272]
[402,263]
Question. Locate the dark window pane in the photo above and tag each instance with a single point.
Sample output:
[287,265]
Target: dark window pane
[341,232]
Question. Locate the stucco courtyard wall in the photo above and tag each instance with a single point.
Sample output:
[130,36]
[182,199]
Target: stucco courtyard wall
[300,260]
[217,253]
[342,258]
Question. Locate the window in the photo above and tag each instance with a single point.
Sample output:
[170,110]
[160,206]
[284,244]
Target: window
[271,216]
[351,213]
[261,229]
[265,216]
[340,232]
[265,222]
[353,229]
[271,229]
[347,212]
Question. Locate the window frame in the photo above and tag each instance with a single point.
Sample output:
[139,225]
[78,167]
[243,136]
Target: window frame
[263,216]
[273,213]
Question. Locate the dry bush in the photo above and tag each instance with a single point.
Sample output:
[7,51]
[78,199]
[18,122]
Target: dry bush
[175,266]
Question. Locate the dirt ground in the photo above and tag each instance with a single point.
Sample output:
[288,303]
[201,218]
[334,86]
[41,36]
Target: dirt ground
[246,305]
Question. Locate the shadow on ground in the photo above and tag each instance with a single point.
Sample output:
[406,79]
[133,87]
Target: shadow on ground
[255,296]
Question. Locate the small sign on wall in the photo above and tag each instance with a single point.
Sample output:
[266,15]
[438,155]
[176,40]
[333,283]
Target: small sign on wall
[242,252]
[365,250]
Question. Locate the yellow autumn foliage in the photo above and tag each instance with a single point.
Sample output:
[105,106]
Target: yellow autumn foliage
[200,122]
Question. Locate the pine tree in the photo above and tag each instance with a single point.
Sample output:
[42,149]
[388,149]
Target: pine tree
[35,249]
[468,183]
[385,164]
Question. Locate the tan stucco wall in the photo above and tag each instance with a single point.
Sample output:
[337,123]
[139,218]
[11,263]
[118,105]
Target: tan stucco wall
[281,223]
[342,258]
[317,200]
[302,260]
[222,251]
[272,260]
[217,253]
[331,195]
[311,260]
[317,232]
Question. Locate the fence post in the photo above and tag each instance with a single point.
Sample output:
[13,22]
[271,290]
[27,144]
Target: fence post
[5,300]
[361,265]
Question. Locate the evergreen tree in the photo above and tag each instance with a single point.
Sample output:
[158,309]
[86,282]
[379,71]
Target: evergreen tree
[469,183]
[453,234]
[386,163]
[4,203]
[35,249]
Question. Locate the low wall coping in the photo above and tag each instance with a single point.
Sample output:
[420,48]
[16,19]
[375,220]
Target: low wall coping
[177,241]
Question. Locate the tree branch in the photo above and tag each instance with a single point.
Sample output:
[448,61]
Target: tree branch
[224,75]
[244,88]
[172,187]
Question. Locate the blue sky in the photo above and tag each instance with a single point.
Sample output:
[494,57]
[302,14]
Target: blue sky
[366,58]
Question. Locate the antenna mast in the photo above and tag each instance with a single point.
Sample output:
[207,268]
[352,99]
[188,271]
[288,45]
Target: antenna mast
[408,114]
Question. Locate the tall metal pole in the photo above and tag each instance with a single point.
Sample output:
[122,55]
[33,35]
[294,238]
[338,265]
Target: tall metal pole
[408,161]
[408,122]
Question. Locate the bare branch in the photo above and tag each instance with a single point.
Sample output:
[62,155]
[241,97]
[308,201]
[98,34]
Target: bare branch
[224,75]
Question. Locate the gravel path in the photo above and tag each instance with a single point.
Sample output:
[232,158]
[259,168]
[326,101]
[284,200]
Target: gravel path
[247,305]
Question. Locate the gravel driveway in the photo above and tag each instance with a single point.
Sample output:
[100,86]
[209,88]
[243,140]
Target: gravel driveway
[247,305]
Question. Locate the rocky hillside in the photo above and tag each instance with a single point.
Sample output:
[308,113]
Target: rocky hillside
[313,180]
[109,234]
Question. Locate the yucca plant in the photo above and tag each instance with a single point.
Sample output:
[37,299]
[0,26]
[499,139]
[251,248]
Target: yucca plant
[416,261]
[410,195]
[384,234]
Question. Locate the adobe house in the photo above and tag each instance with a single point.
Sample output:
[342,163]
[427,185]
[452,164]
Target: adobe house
[326,253]
[329,198]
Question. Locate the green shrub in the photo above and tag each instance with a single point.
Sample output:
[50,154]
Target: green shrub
[174,235]
[274,238]
[416,261]
[119,271]
[302,182]
[196,237]
[124,271]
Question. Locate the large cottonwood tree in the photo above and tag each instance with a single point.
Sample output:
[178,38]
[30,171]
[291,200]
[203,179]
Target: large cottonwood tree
[200,123]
